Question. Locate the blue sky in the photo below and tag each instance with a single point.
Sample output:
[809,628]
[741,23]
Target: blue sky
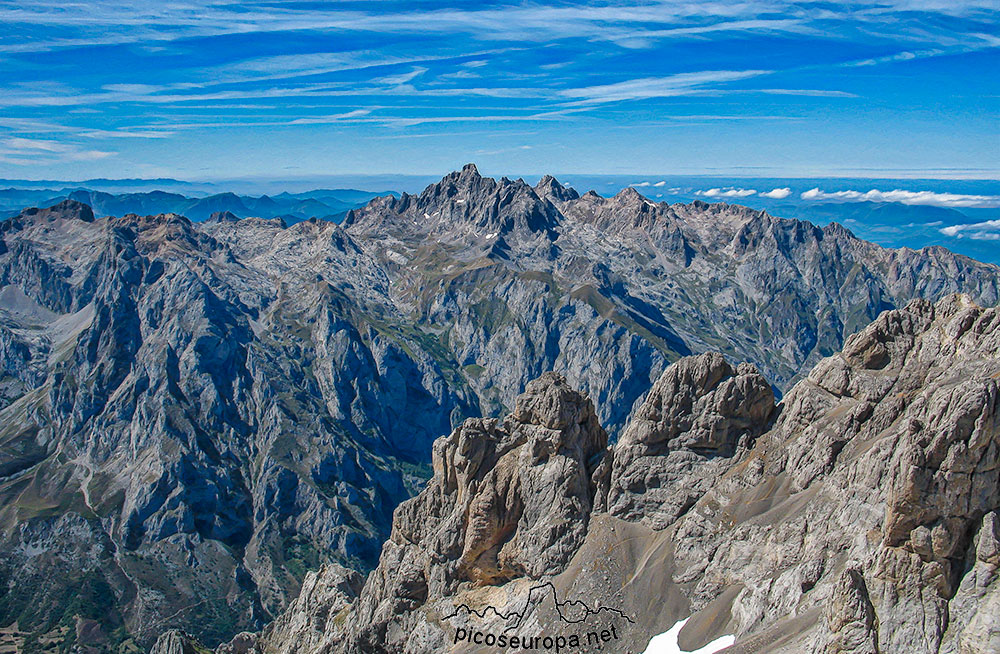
[198,89]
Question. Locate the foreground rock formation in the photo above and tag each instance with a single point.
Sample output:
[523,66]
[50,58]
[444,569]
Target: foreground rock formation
[859,515]
[195,415]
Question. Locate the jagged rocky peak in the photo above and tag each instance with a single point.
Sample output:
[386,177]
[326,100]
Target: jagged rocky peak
[522,486]
[67,209]
[223,217]
[508,499]
[627,206]
[698,414]
[469,172]
[168,234]
[897,438]
[629,195]
[549,402]
[630,214]
[704,403]
[464,207]
[548,187]
[717,224]
[302,628]
[177,642]
[463,182]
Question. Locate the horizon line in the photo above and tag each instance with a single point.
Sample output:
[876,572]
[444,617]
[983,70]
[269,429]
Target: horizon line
[901,175]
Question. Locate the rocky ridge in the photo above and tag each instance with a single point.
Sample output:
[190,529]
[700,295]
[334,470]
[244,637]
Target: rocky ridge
[858,515]
[192,416]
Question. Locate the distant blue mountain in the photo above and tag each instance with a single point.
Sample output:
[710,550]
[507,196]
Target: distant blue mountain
[326,204]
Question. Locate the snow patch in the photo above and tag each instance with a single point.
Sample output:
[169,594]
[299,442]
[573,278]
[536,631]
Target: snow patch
[666,643]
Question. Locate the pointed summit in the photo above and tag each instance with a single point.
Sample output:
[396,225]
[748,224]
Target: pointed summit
[629,194]
[223,217]
[549,187]
[468,177]
[464,205]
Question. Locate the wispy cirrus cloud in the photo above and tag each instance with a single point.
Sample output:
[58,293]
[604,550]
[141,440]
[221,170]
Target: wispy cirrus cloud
[158,22]
[491,153]
[127,133]
[725,76]
[314,64]
[175,94]
[809,93]
[658,87]
[142,22]
[23,151]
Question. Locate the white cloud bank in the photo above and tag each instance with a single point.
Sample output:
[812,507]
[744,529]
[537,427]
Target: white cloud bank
[727,193]
[907,197]
[666,643]
[988,230]
[777,194]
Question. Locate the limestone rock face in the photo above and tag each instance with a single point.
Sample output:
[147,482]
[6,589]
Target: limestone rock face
[695,418]
[974,611]
[859,515]
[325,594]
[885,455]
[851,617]
[508,500]
[177,642]
[527,515]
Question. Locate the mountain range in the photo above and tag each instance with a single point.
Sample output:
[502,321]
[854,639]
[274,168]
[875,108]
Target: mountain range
[859,515]
[194,415]
[291,207]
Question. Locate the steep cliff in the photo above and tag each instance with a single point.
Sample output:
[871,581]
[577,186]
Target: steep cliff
[858,515]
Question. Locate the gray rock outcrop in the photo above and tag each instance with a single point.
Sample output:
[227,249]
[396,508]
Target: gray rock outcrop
[177,642]
[851,617]
[508,500]
[857,516]
[697,415]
